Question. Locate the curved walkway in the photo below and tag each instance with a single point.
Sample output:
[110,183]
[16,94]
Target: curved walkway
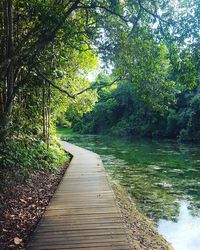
[82,213]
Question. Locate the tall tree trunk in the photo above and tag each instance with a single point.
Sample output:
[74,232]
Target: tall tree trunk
[43,113]
[9,74]
[48,115]
[10,48]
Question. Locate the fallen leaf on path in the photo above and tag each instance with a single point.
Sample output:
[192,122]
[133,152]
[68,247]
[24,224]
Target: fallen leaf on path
[22,200]
[17,240]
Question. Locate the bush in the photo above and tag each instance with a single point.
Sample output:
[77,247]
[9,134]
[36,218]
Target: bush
[20,156]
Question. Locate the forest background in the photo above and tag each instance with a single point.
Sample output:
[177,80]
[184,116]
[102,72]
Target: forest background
[146,58]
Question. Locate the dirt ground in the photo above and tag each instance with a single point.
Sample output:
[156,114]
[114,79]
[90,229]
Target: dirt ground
[22,205]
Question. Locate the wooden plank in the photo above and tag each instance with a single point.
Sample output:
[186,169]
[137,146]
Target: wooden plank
[85,247]
[75,236]
[84,220]
[83,213]
[81,240]
[63,245]
[76,233]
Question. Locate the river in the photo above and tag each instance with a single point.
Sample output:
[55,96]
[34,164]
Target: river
[162,176]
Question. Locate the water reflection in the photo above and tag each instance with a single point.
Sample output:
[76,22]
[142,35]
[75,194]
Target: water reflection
[159,175]
[183,234]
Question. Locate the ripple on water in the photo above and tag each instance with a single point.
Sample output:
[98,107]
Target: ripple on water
[155,167]
[163,185]
[176,170]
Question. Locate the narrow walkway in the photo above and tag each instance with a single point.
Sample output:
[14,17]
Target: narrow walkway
[82,213]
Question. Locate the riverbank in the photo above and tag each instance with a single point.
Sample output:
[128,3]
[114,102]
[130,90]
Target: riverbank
[142,232]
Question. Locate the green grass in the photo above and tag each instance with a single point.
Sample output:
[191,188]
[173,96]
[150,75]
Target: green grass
[61,131]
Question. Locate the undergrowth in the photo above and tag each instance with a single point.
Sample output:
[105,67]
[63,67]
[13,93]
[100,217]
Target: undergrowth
[20,156]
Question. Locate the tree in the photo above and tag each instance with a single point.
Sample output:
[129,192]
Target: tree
[35,33]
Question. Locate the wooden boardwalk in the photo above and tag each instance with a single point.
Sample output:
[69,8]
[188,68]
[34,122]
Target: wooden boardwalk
[82,213]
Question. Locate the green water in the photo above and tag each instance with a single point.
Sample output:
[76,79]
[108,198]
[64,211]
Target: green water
[163,178]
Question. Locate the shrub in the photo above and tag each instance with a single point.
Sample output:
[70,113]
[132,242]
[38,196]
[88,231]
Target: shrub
[20,156]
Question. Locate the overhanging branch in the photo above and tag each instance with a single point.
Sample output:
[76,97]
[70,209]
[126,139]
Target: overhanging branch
[41,75]
[154,14]
[42,41]
[103,8]
[73,96]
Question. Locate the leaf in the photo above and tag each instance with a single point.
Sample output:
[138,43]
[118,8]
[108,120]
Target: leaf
[17,240]
[22,200]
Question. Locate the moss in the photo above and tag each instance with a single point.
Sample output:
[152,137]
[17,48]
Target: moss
[141,231]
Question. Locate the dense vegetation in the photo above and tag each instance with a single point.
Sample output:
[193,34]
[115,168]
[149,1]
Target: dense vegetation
[122,112]
[48,48]
[146,53]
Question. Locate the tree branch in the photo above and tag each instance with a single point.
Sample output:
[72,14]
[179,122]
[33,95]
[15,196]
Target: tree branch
[73,96]
[41,75]
[103,8]
[43,40]
[154,14]
[97,86]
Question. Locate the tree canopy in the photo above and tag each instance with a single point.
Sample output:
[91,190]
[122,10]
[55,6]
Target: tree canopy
[144,54]
[49,47]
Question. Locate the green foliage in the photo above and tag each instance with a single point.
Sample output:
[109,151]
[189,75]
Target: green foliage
[23,155]
[192,128]
[48,48]
[122,112]
[147,65]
